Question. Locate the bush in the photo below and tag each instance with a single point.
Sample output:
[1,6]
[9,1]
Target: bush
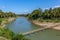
[10,35]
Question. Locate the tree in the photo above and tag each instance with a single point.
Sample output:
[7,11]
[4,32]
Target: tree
[56,12]
[46,14]
[36,14]
[1,13]
[6,14]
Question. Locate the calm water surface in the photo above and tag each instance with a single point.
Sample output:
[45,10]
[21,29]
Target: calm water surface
[22,25]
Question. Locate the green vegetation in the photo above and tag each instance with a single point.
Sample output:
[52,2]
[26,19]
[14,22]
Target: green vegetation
[48,15]
[6,33]
[35,14]
[6,14]
[0,21]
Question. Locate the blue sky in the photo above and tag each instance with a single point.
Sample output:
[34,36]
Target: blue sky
[26,6]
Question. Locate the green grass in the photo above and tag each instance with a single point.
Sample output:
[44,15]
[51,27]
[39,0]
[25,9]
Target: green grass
[2,19]
[48,20]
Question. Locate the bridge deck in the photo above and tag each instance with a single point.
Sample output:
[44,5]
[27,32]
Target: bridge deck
[34,31]
[38,30]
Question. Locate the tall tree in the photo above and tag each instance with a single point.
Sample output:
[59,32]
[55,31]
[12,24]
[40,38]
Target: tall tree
[36,14]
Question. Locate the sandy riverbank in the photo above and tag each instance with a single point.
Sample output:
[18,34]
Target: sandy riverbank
[47,24]
[4,22]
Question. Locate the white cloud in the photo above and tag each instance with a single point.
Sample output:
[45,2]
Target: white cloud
[56,6]
[45,8]
[52,7]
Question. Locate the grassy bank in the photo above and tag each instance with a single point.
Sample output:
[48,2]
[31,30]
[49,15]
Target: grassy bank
[4,21]
[6,34]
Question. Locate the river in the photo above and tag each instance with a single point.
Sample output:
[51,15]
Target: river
[22,25]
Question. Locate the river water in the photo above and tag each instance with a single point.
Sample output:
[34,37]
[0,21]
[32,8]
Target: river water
[22,25]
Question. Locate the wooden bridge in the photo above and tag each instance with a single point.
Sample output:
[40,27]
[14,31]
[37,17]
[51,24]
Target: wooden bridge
[33,31]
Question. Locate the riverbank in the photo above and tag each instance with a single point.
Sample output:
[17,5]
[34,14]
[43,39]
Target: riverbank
[5,21]
[52,25]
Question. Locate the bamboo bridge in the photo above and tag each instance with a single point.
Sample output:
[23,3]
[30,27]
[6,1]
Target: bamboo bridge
[33,31]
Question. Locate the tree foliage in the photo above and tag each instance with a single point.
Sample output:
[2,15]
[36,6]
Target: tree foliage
[35,14]
[46,14]
[6,14]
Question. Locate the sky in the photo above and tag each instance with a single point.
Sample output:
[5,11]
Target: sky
[27,6]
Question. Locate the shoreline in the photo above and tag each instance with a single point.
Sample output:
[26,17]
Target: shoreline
[52,25]
[7,20]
